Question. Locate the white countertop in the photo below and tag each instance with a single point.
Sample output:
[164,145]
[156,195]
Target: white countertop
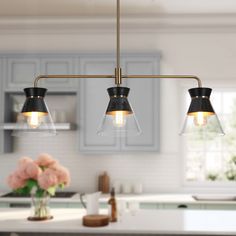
[179,222]
[142,198]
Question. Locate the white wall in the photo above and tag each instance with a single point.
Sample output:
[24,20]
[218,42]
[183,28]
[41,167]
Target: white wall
[211,56]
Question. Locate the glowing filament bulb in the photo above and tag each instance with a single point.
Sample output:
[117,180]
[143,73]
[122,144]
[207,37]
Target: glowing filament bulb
[119,119]
[200,118]
[34,120]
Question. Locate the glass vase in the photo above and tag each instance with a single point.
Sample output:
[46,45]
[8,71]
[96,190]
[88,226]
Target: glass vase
[40,209]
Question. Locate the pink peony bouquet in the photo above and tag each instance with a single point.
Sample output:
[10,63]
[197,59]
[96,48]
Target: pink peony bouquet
[41,176]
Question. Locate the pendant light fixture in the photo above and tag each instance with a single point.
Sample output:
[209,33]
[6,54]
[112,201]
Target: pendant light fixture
[201,117]
[35,118]
[119,118]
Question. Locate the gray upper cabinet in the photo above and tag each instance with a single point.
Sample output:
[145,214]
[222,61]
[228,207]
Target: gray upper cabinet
[21,71]
[58,66]
[144,98]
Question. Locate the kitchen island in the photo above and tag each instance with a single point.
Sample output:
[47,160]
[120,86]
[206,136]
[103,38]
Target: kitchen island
[142,222]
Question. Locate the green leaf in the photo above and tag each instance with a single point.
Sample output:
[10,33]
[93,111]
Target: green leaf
[40,192]
[30,184]
[52,190]
[61,186]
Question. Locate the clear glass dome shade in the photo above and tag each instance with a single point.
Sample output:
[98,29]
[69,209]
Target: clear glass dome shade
[201,118]
[119,119]
[202,123]
[35,118]
[119,123]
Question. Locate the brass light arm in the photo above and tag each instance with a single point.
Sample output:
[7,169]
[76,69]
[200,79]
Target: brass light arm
[120,76]
[69,76]
[165,77]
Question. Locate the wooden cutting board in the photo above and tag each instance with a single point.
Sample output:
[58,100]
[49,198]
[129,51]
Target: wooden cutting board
[96,220]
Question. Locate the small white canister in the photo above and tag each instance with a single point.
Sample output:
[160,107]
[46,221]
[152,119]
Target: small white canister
[126,188]
[137,188]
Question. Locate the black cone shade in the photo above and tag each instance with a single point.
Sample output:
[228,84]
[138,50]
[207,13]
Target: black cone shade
[119,118]
[118,100]
[34,100]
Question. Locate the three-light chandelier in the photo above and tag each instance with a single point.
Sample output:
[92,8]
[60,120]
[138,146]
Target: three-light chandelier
[119,118]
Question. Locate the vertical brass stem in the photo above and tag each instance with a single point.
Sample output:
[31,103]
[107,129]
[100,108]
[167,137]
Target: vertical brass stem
[118,34]
[118,76]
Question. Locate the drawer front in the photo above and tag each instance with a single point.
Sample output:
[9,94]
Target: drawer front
[220,206]
[149,206]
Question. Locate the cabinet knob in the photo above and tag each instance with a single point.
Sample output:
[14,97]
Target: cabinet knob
[182,206]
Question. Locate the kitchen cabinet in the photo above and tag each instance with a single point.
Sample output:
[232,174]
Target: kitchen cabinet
[20,71]
[220,206]
[63,65]
[149,206]
[144,98]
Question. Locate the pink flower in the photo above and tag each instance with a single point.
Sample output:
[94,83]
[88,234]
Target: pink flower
[47,179]
[62,174]
[32,170]
[15,182]
[21,173]
[45,160]
[24,160]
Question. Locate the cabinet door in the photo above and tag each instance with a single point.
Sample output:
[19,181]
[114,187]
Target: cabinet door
[62,66]
[21,72]
[151,206]
[144,98]
[93,101]
[220,206]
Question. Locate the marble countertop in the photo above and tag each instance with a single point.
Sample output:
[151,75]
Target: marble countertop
[142,198]
[172,222]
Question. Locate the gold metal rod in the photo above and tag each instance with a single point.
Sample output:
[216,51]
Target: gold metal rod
[164,77]
[120,76]
[118,34]
[69,76]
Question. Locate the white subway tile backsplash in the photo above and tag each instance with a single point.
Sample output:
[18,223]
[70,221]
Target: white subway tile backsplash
[157,172]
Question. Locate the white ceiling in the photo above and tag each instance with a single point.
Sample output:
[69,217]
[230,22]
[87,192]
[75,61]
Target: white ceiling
[58,8]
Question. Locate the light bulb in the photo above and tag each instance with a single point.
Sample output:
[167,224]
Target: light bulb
[119,119]
[34,120]
[200,118]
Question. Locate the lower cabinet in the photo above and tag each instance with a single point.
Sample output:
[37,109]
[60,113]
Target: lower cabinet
[150,206]
[3,204]
[182,206]
[220,207]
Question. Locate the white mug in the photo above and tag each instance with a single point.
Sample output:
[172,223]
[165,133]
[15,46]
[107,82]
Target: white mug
[92,203]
